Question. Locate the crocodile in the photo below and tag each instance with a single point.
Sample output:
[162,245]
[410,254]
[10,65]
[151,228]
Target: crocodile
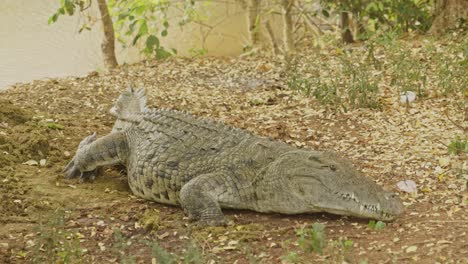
[175,158]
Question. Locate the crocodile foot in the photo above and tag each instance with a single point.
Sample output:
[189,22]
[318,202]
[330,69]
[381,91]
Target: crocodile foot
[71,170]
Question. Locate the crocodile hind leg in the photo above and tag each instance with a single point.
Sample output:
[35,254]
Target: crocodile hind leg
[93,153]
[199,198]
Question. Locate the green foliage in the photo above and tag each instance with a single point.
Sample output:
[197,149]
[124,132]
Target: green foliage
[297,82]
[161,255]
[68,7]
[458,145]
[54,126]
[451,68]
[353,87]
[312,239]
[121,247]
[54,243]
[194,52]
[291,257]
[387,15]
[362,89]
[194,255]
[408,71]
[340,251]
[379,225]
[144,21]
[327,93]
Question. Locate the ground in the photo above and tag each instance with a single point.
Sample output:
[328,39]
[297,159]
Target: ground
[46,218]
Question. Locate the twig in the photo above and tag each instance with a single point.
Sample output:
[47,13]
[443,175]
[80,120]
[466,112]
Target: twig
[453,122]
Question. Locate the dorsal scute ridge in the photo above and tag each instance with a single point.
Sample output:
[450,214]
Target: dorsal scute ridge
[152,115]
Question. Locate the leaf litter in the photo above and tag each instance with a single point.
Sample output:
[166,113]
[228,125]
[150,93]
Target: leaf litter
[402,147]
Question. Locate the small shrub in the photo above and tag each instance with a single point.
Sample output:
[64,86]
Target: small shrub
[340,251]
[312,239]
[121,248]
[160,254]
[291,257]
[379,225]
[194,255]
[56,244]
[297,82]
[326,93]
[458,146]
[361,88]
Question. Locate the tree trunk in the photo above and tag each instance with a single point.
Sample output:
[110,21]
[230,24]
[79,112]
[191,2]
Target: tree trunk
[253,9]
[447,14]
[286,6]
[108,43]
[271,34]
[346,34]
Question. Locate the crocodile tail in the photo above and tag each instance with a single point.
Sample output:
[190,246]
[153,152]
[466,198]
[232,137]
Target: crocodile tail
[128,107]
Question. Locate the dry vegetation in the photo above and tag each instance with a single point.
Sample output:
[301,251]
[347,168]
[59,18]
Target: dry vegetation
[347,100]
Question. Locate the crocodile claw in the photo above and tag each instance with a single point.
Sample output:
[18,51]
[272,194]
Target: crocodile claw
[71,171]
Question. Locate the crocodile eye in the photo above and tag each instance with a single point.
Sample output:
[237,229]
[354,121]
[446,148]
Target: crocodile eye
[332,167]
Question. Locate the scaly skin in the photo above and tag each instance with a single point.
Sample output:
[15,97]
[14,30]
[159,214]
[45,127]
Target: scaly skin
[175,158]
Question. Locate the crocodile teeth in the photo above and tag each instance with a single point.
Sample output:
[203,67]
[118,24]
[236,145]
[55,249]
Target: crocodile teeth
[361,207]
[378,207]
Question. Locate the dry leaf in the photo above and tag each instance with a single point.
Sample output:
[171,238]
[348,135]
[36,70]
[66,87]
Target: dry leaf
[31,163]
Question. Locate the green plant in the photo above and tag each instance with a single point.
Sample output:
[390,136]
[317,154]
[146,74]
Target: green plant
[312,239]
[377,17]
[160,254]
[327,93]
[362,89]
[54,243]
[194,52]
[297,82]
[340,251]
[409,72]
[54,126]
[135,21]
[291,257]
[193,254]
[458,145]
[120,248]
[142,20]
[379,225]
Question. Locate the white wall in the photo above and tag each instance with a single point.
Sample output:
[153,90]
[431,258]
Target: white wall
[31,49]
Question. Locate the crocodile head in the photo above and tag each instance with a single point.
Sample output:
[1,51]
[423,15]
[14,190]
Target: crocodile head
[130,103]
[311,181]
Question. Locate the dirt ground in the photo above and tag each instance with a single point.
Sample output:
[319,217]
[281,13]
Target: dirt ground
[42,122]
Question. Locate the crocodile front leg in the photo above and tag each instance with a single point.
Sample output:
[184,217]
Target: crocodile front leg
[93,153]
[199,198]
